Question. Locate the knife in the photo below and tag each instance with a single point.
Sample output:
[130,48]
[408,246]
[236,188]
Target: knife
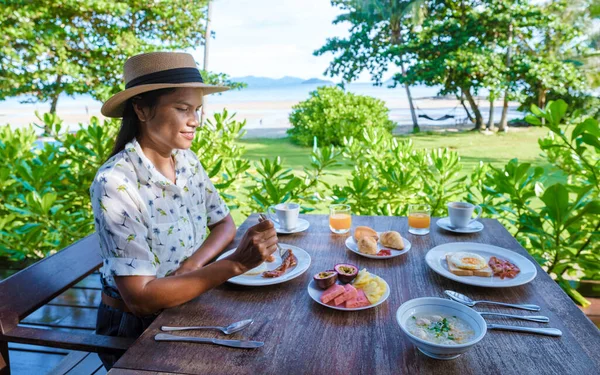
[244,344]
[540,331]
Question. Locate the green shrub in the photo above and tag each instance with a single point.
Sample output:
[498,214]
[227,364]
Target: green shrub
[330,114]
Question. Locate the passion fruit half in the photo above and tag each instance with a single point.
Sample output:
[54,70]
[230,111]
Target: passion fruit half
[346,272]
[325,279]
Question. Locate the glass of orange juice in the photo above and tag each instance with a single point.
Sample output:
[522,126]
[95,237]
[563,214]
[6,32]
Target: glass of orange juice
[419,218]
[340,218]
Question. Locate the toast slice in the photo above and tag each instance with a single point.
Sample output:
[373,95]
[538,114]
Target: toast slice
[484,272]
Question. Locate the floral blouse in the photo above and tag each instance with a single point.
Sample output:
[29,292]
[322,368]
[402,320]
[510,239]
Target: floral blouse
[146,224]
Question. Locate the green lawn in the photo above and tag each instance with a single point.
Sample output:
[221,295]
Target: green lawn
[497,149]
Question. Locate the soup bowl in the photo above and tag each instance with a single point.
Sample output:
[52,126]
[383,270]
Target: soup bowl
[442,307]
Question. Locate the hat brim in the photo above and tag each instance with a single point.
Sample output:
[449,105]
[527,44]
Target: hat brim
[114,106]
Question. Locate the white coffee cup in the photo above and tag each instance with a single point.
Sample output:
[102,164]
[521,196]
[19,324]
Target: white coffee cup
[461,213]
[286,215]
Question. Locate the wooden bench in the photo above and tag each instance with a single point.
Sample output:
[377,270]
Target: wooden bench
[27,290]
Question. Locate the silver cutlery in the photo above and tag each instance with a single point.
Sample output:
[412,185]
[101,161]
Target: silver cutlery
[469,302]
[234,327]
[531,318]
[540,331]
[244,344]
[263,217]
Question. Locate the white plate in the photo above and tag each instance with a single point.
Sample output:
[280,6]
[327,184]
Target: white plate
[436,260]
[352,246]
[315,293]
[258,280]
[473,227]
[301,226]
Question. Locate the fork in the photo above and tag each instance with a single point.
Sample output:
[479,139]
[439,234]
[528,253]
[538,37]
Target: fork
[263,217]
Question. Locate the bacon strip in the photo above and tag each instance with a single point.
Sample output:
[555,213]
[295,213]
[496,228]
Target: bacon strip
[289,260]
[503,268]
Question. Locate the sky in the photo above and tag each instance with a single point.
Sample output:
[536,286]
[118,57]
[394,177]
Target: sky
[272,38]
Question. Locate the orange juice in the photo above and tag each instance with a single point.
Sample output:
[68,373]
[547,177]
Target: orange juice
[340,221]
[419,220]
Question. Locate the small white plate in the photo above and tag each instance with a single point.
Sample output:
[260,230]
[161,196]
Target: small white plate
[315,293]
[353,246]
[301,226]
[258,280]
[436,260]
[473,227]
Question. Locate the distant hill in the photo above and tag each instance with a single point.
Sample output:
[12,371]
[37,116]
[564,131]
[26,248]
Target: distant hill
[253,81]
[317,81]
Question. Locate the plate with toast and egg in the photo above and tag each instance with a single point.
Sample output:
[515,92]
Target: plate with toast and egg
[480,265]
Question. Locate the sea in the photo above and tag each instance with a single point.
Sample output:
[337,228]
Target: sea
[268,108]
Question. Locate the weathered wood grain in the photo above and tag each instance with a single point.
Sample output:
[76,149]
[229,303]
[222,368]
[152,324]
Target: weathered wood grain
[302,337]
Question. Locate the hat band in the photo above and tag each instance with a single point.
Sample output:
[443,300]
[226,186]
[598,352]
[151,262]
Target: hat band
[177,75]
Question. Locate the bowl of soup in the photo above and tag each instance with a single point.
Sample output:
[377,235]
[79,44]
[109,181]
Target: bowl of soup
[440,328]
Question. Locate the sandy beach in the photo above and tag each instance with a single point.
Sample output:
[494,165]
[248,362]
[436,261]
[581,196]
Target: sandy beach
[267,117]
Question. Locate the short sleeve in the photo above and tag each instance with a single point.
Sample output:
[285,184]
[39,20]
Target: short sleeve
[216,209]
[120,227]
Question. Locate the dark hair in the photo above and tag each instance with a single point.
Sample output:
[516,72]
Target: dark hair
[130,123]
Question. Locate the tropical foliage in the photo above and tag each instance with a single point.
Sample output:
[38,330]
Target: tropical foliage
[330,113]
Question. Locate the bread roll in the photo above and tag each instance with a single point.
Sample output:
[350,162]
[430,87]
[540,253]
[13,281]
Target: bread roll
[362,231]
[367,245]
[392,239]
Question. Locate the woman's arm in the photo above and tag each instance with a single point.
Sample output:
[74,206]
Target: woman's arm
[221,234]
[145,295]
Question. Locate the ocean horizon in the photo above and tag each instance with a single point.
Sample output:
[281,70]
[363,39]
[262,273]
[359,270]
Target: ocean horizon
[269,107]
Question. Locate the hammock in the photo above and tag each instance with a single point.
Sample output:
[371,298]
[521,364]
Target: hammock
[444,117]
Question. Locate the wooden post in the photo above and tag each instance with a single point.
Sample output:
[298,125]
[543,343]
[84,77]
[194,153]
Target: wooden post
[206,46]
[4,360]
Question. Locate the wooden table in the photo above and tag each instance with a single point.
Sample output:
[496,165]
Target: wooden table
[303,337]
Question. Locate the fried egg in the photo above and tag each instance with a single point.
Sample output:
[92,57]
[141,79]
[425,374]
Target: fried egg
[468,261]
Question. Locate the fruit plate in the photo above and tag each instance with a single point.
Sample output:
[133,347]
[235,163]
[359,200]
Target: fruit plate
[315,293]
[258,280]
[353,246]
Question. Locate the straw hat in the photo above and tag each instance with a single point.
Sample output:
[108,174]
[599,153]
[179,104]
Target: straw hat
[153,71]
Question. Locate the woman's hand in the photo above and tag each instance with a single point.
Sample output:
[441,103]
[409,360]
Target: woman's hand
[256,246]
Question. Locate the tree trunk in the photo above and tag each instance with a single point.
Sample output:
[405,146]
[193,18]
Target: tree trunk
[206,45]
[504,119]
[396,39]
[490,124]
[475,108]
[542,101]
[413,115]
[462,102]
[56,94]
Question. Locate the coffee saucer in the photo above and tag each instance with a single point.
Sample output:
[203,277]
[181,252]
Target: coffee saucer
[473,227]
[301,226]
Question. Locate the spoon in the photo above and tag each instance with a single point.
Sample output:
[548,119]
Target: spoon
[469,302]
[234,327]
[531,318]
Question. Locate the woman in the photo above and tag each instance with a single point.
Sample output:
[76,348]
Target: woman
[156,212]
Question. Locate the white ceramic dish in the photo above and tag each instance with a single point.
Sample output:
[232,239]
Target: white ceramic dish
[353,246]
[436,260]
[258,280]
[301,226]
[473,227]
[315,293]
[440,306]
